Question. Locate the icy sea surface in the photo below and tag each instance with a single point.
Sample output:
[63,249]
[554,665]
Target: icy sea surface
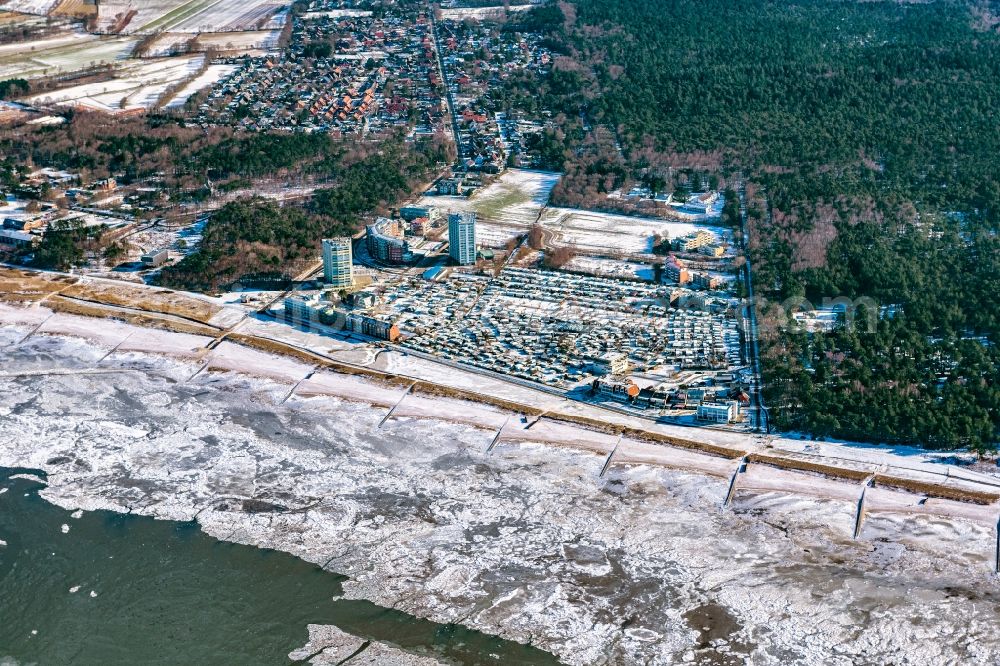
[110,588]
[526,543]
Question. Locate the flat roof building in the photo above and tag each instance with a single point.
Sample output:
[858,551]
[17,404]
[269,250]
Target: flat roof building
[410,213]
[433,273]
[338,262]
[451,186]
[706,281]
[676,270]
[616,388]
[17,238]
[612,363]
[462,238]
[693,241]
[155,258]
[302,310]
[373,327]
[721,412]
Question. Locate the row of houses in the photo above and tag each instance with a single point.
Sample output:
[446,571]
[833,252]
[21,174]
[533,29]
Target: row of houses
[310,310]
[333,77]
[723,405]
[478,58]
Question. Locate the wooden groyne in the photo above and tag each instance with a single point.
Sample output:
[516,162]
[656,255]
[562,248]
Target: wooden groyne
[859,515]
[741,468]
[611,455]
[398,403]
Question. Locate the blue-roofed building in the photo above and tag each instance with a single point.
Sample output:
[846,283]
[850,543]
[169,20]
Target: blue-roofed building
[433,273]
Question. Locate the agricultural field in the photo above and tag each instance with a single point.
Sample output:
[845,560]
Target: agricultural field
[211,74]
[62,53]
[253,43]
[138,84]
[78,8]
[36,7]
[117,79]
[336,13]
[192,16]
[7,17]
[243,41]
[481,13]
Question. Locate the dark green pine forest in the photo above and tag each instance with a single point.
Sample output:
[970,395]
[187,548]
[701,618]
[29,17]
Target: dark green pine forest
[867,137]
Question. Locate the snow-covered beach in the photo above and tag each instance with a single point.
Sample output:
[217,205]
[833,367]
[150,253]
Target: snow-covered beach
[526,542]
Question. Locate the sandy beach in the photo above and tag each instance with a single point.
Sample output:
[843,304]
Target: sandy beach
[521,541]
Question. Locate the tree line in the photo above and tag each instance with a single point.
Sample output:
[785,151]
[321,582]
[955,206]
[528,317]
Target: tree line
[259,236]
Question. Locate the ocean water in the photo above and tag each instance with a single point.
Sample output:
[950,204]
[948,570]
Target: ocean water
[109,588]
[527,543]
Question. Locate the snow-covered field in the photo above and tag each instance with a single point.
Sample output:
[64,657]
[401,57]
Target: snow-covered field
[518,198]
[514,200]
[611,268]
[608,232]
[191,15]
[336,13]
[138,84]
[640,567]
[211,74]
[38,7]
[481,13]
[247,40]
[146,12]
[252,42]
[66,52]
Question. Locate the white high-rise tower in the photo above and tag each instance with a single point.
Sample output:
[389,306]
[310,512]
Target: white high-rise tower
[462,237]
[338,265]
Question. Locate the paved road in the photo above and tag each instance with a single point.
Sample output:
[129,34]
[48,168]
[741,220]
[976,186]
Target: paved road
[456,135]
[751,331]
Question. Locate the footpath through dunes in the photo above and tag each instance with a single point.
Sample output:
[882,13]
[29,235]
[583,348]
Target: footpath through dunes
[201,330]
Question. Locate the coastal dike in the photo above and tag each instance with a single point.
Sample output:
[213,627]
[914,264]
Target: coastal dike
[203,331]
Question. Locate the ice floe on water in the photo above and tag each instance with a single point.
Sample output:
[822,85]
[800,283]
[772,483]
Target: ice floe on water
[329,646]
[26,477]
[640,567]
